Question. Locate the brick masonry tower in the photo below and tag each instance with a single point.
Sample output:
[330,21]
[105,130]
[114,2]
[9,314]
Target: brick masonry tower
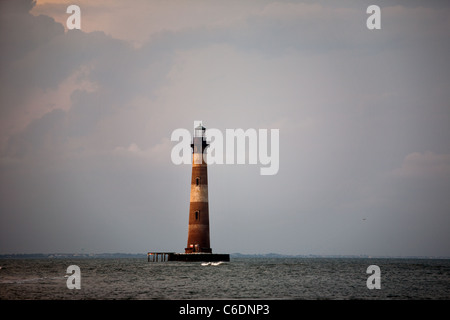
[198,232]
[198,247]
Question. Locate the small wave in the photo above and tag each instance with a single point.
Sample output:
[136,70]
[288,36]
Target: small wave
[29,280]
[19,281]
[212,263]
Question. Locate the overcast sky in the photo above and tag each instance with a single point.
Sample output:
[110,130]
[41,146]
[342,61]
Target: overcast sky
[363,116]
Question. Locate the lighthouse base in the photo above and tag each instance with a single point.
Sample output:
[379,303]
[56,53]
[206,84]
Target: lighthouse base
[197,257]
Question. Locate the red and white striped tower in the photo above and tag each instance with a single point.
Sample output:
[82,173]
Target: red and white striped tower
[198,232]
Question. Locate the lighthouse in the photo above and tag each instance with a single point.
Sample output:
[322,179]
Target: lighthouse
[198,246]
[198,231]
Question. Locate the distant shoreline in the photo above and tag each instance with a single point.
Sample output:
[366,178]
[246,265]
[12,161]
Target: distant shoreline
[232,255]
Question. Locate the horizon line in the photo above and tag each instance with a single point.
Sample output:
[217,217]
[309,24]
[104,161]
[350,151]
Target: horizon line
[236,254]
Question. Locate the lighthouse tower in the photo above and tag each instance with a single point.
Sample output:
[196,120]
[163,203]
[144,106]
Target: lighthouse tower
[198,232]
[198,247]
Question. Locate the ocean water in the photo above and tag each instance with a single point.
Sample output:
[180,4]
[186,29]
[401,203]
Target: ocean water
[241,278]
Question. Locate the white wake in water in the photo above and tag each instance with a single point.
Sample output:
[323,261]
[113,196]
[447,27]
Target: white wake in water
[212,263]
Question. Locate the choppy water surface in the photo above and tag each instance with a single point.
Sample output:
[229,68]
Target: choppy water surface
[243,278]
